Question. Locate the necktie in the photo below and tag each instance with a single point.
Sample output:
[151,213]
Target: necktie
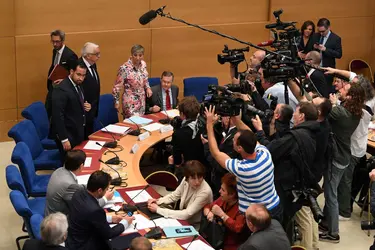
[57,58]
[81,97]
[321,40]
[167,100]
[94,72]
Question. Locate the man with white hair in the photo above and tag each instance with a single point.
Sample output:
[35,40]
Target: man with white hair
[91,84]
[53,231]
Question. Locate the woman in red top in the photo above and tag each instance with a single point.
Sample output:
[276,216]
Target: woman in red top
[226,207]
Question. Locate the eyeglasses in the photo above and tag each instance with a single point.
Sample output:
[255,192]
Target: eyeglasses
[95,54]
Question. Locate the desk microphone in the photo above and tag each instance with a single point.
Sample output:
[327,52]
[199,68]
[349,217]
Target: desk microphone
[117,181]
[154,233]
[132,208]
[112,144]
[166,120]
[115,160]
[132,199]
[134,132]
[195,236]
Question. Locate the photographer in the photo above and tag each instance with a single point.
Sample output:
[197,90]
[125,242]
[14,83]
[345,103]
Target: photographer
[255,61]
[256,159]
[227,130]
[280,124]
[186,140]
[293,156]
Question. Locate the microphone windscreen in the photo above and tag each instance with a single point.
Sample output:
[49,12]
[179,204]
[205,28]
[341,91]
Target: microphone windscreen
[147,17]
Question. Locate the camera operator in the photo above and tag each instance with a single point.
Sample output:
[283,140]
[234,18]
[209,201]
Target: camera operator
[186,140]
[293,156]
[280,124]
[227,130]
[256,159]
[255,61]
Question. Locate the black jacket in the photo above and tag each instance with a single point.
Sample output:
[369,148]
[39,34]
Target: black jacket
[319,80]
[91,87]
[34,244]
[157,97]
[293,153]
[68,115]
[333,49]
[66,59]
[88,226]
[186,146]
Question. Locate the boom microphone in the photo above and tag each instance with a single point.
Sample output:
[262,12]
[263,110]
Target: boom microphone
[150,15]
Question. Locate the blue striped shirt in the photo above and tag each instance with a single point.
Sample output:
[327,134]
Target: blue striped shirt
[255,179]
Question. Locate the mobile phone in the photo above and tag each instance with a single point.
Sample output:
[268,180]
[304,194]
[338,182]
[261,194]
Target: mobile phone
[183,230]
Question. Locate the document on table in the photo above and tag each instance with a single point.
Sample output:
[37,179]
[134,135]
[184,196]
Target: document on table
[142,222]
[141,196]
[197,244]
[128,230]
[138,120]
[171,113]
[87,162]
[92,145]
[153,127]
[116,129]
[83,179]
[167,222]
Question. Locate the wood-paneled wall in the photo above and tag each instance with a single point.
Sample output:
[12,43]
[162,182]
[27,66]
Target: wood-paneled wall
[26,51]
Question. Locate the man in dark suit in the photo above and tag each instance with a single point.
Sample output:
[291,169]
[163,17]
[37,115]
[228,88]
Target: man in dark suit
[68,109]
[62,55]
[88,224]
[165,95]
[225,134]
[91,84]
[317,76]
[329,46]
[267,232]
[53,231]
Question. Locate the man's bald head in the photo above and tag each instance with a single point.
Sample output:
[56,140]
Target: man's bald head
[257,58]
[257,217]
[314,57]
[140,243]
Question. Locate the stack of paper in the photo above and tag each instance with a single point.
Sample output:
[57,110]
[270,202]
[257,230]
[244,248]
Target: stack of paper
[153,127]
[83,179]
[197,244]
[138,120]
[116,129]
[139,196]
[171,113]
[87,162]
[94,145]
[167,222]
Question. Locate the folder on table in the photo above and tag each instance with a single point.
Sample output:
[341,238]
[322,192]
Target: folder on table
[180,231]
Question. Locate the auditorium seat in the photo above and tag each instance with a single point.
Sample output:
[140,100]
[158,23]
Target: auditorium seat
[35,221]
[153,81]
[37,113]
[36,185]
[25,131]
[107,114]
[198,86]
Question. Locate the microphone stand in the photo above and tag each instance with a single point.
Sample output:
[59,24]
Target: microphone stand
[112,144]
[117,181]
[161,13]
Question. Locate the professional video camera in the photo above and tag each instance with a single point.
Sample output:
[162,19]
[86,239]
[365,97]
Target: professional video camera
[233,56]
[307,196]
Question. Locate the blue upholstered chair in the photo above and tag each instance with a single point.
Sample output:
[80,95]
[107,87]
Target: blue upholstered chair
[22,208]
[198,86]
[25,131]
[107,114]
[35,221]
[36,185]
[37,113]
[153,81]
[15,182]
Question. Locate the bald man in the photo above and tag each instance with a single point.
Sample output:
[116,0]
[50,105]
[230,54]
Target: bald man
[254,61]
[268,234]
[140,243]
[316,76]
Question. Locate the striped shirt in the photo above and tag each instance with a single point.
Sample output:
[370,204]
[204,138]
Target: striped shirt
[255,179]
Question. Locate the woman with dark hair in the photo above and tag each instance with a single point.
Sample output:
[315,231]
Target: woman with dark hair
[306,43]
[194,193]
[226,208]
[344,119]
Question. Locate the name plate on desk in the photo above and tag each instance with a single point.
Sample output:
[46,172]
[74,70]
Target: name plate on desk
[134,148]
[166,128]
[143,136]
